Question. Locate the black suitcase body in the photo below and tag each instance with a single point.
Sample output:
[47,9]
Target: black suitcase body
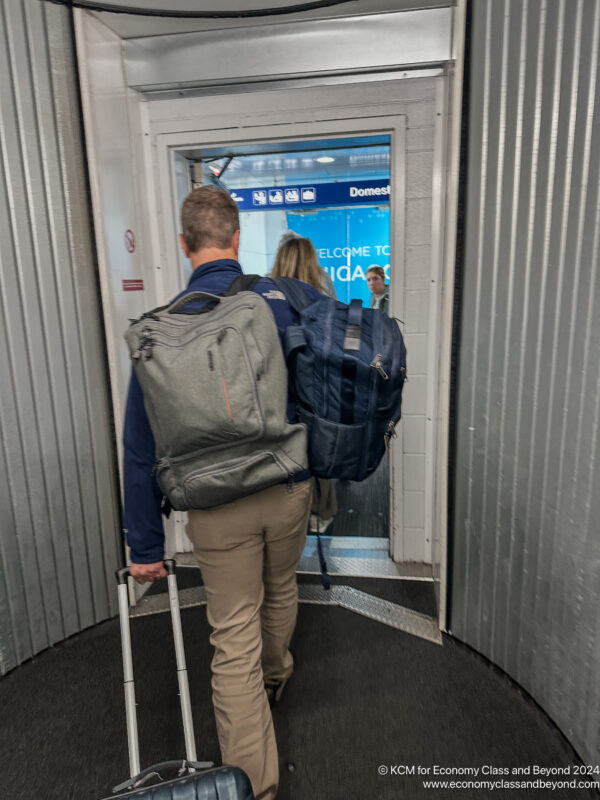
[195,780]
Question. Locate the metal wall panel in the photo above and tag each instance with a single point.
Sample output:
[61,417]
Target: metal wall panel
[58,504]
[526,550]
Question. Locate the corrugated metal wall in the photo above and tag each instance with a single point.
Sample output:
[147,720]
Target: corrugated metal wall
[526,544]
[58,511]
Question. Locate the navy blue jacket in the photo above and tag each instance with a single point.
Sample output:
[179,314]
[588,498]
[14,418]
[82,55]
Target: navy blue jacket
[143,498]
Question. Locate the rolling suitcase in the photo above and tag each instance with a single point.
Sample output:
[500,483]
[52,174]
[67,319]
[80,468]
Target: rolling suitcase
[196,780]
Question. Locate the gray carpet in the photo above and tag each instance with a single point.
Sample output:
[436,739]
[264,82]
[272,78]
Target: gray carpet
[416,595]
[363,695]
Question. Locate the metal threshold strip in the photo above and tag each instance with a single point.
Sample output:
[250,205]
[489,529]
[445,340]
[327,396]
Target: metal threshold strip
[350,557]
[351,599]
[359,557]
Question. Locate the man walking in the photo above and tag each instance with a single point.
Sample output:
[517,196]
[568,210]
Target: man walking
[248,549]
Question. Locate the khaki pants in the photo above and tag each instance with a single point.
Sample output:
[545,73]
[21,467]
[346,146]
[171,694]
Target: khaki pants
[248,551]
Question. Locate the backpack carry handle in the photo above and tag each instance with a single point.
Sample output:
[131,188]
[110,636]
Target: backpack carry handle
[243,283]
[299,300]
[193,297]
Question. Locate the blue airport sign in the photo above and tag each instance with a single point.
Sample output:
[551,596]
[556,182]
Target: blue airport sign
[320,195]
[348,241]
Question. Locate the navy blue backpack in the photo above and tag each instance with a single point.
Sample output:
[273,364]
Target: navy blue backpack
[347,367]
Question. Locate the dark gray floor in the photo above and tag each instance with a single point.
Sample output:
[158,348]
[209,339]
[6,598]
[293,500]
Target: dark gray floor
[363,695]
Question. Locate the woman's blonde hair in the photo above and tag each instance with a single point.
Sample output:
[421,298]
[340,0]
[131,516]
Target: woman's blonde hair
[297,258]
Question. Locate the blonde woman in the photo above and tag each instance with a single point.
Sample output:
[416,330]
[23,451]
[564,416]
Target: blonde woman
[297,258]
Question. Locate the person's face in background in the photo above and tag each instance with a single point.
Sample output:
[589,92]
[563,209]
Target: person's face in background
[376,283]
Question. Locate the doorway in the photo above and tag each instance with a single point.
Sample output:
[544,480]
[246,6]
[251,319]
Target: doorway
[406,116]
[335,192]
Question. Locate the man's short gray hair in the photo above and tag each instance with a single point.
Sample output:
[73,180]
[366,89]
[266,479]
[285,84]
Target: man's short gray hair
[209,218]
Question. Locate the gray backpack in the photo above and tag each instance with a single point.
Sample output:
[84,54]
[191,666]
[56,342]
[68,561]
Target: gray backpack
[215,389]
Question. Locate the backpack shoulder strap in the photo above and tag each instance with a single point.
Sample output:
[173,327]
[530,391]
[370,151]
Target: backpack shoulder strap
[243,283]
[354,327]
[294,293]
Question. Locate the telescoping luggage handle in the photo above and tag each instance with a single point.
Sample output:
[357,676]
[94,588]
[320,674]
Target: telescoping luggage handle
[129,686]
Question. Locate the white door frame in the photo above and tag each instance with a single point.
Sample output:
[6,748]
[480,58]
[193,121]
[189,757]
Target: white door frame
[166,145]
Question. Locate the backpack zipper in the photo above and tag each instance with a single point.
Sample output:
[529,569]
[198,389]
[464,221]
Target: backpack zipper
[390,433]
[377,363]
[145,345]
